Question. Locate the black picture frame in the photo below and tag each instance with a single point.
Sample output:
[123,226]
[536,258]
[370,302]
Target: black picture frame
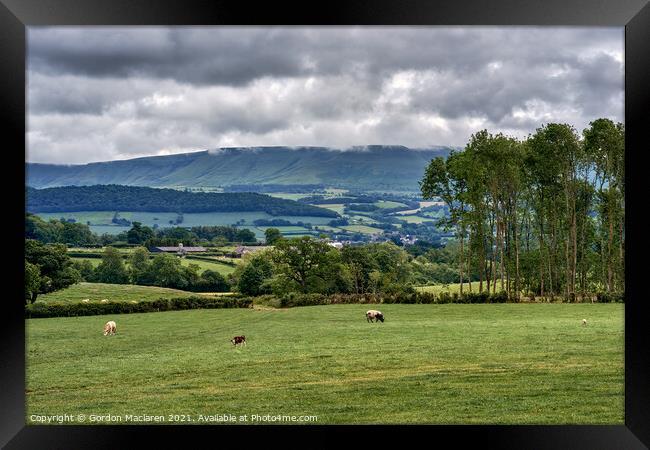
[634,15]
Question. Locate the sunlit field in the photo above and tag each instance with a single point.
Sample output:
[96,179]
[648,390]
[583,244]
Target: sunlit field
[432,364]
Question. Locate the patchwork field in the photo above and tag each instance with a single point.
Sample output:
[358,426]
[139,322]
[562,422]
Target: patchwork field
[362,229]
[430,364]
[389,204]
[417,219]
[361,218]
[337,207]
[223,269]
[101,220]
[422,205]
[111,292]
[288,196]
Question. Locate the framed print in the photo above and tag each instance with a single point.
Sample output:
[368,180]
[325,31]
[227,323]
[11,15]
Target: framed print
[404,216]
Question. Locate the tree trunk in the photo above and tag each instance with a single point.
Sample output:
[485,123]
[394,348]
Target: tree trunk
[503,229]
[574,241]
[621,255]
[541,256]
[517,287]
[609,252]
[460,264]
[469,264]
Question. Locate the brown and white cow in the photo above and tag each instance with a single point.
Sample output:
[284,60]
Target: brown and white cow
[239,340]
[110,328]
[373,315]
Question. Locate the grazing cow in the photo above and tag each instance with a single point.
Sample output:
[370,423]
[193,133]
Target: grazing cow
[110,328]
[373,315]
[239,340]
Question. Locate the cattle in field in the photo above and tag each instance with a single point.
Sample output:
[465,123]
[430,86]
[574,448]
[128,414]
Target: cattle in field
[239,340]
[373,315]
[110,328]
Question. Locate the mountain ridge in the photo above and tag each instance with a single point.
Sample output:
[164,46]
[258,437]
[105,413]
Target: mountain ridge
[370,167]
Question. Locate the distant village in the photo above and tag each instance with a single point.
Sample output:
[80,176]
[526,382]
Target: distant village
[242,250]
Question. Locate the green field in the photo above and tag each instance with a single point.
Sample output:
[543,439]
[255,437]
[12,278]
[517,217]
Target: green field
[223,269]
[384,204]
[288,196]
[287,229]
[417,219]
[430,364]
[111,292]
[94,261]
[362,229]
[360,218]
[101,220]
[337,207]
[434,214]
[455,287]
[327,228]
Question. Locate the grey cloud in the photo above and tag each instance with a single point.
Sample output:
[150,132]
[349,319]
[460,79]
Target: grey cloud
[237,55]
[144,90]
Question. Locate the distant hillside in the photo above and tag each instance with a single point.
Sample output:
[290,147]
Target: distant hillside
[389,168]
[132,198]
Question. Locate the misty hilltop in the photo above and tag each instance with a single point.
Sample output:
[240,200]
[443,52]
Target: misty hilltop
[388,168]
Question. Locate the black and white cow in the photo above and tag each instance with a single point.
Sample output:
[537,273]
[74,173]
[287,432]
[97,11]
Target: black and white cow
[239,340]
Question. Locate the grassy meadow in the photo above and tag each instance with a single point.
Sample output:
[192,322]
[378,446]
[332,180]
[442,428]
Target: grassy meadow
[417,219]
[96,292]
[100,221]
[362,229]
[384,204]
[429,364]
[455,287]
[223,269]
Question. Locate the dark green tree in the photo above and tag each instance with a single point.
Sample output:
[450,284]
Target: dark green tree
[300,261]
[112,269]
[212,281]
[32,281]
[139,267]
[138,234]
[252,277]
[271,235]
[55,266]
[85,269]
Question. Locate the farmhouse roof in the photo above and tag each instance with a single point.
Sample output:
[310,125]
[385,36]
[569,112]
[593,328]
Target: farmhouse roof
[249,249]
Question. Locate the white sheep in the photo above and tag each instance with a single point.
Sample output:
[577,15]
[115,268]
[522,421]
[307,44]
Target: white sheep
[85,300]
[584,322]
[105,301]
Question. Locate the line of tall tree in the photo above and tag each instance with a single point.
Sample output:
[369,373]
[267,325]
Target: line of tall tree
[138,198]
[543,215]
[78,234]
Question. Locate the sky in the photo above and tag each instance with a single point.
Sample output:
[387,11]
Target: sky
[110,93]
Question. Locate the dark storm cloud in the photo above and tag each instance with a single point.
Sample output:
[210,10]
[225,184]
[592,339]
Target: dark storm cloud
[145,90]
[193,55]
